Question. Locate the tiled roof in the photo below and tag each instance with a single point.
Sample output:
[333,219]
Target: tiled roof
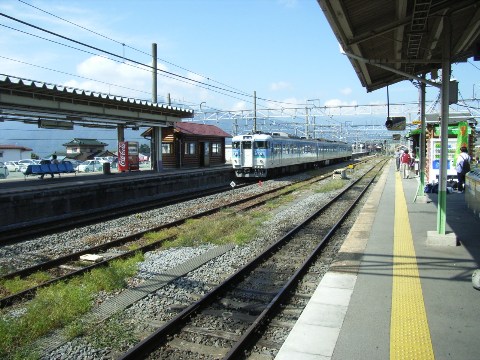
[200,129]
[15,147]
[85,142]
[10,83]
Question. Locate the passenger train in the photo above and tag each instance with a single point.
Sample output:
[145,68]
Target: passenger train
[264,155]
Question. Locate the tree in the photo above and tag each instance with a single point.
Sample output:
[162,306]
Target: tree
[144,149]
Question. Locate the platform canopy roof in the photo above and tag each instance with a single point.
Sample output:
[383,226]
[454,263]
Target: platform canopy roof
[56,106]
[403,35]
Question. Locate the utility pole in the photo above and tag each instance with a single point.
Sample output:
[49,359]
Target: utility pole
[156,130]
[254,112]
[306,122]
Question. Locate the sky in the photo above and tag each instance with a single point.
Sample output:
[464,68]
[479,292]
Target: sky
[283,50]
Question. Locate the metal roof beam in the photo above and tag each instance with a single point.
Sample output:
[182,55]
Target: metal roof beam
[435,10]
[398,72]
[468,37]
[401,11]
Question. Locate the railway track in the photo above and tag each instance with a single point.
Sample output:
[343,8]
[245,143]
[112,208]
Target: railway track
[48,226]
[68,266]
[225,323]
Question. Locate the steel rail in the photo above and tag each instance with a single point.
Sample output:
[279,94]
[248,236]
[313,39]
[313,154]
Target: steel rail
[263,318]
[45,227]
[30,292]
[149,344]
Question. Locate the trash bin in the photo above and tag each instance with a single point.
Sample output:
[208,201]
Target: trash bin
[106,168]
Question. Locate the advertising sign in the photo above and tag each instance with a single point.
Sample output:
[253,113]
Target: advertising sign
[434,163]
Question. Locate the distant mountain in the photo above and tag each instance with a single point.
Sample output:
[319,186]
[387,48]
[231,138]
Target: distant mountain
[44,142]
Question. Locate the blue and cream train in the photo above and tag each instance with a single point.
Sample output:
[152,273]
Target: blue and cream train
[266,155]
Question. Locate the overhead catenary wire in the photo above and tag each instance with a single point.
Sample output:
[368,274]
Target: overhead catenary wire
[125,45]
[210,87]
[176,76]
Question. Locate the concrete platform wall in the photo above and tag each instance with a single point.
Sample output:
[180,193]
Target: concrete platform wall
[64,199]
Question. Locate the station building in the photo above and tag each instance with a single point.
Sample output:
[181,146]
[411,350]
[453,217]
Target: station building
[192,145]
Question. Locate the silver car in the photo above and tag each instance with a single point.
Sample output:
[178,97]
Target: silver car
[90,165]
[3,171]
[12,166]
[23,164]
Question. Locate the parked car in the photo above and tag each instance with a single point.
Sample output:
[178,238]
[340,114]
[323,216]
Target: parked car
[12,166]
[22,164]
[90,165]
[3,171]
[75,163]
[27,161]
[104,159]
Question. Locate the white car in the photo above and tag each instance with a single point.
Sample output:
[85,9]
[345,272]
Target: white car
[3,171]
[12,166]
[90,165]
[23,164]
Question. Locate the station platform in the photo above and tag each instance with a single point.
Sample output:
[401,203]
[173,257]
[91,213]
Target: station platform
[391,295]
[30,200]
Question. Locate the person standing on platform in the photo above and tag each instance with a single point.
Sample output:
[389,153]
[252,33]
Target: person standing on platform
[398,154]
[413,173]
[405,164]
[463,167]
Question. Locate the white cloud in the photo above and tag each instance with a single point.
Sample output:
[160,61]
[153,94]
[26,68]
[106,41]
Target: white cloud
[133,80]
[346,91]
[338,103]
[280,85]
[241,105]
[288,3]
[98,72]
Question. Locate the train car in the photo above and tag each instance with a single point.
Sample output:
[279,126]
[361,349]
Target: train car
[264,155]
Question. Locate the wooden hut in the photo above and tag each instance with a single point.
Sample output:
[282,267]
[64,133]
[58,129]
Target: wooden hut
[192,145]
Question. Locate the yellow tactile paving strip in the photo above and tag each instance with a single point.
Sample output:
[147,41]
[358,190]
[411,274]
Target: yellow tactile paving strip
[409,331]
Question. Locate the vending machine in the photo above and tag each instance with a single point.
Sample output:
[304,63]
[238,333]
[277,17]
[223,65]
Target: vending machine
[128,156]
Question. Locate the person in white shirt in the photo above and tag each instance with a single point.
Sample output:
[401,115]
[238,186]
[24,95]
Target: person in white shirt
[462,167]
[398,154]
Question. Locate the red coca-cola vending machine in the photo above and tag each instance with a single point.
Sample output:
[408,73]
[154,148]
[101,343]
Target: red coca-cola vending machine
[128,156]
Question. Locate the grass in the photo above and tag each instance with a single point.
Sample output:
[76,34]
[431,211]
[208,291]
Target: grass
[331,185]
[15,285]
[224,228]
[60,305]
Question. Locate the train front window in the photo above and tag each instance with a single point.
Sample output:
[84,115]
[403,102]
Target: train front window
[247,144]
[261,144]
[236,145]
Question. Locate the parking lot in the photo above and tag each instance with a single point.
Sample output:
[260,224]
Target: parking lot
[18,176]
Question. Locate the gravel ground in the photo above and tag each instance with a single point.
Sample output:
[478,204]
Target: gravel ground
[28,253]
[110,339]
[146,315]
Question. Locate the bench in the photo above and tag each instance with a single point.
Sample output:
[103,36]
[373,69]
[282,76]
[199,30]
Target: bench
[48,169]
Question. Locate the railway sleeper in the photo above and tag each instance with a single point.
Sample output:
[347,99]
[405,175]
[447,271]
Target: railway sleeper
[229,336]
[188,346]
[234,315]
[250,307]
